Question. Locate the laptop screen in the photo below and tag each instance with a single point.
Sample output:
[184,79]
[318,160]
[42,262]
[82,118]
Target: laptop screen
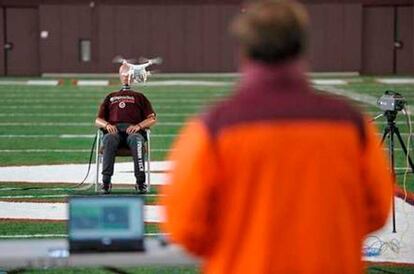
[106,223]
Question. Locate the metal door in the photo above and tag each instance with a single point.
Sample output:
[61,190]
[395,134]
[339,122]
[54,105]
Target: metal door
[404,40]
[21,43]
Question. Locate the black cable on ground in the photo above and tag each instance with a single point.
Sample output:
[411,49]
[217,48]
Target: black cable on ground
[87,172]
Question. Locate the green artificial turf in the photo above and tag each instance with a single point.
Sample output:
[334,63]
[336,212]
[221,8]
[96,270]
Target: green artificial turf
[128,270]
[18,227]
[374,269]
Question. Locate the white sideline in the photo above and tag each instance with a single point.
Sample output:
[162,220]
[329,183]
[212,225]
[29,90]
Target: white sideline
[69,124]
[74,173]
[92,83]
[395,81]
[72,136]
[334,82]
[59,211]
[188,83]
[86,150]
[42,82]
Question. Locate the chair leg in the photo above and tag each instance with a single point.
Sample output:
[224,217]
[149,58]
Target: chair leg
[149,159]
[97,159]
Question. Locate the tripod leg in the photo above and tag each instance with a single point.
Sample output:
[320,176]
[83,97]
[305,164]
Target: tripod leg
[384,135]
[391,130]
[397,132]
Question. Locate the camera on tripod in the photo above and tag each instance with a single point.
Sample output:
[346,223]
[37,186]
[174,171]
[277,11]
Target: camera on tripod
[391,101]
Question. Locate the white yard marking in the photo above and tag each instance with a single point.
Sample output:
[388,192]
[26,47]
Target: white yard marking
[56,195]
[93,82]
[64,102]
[94,107]
[35,150]
[42,82]
[72,136]
[395,81]
[68,124]
[30,236]
[74,173]
[188,83]
[159,114]
[59,211]
[333,82]
[13,83]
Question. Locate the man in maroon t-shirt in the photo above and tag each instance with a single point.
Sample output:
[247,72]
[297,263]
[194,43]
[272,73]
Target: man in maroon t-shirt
[124,115]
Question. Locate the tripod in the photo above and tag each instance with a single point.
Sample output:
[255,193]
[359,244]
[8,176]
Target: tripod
[389,131]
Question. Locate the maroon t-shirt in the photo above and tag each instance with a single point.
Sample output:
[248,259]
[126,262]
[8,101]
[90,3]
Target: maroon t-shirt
[125,106]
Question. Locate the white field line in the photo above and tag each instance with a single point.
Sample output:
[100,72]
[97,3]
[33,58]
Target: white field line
[168,75]
[94,107]
[68,124]
[160,114]
[65,150]
[63,124]
[28,236]
[188,83]
[42,82]
[58,196]
[82,150]
[95,96]
[328,82]
[84,101]
[161,83]
[74,173]
[33,196]
[101,94]
[14,83]
[72,136]
[93,82]
[85,150]
[363,98]
[395,81]
[31,83]
[59,211]
[367,99]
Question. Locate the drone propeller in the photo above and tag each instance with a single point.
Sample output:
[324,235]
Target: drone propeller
[156,60]
[119,60]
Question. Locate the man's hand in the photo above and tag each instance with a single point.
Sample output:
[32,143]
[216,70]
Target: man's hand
[133,129]
[111,128]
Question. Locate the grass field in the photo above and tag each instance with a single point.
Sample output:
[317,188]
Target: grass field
[55,125]
[373,269]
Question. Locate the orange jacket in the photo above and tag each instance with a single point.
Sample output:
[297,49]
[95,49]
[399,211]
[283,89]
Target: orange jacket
[278,179]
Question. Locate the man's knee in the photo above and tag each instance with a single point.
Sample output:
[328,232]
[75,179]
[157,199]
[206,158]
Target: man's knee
[134,139]
[111,140]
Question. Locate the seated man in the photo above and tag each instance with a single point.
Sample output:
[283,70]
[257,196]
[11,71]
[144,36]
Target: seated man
[123,116]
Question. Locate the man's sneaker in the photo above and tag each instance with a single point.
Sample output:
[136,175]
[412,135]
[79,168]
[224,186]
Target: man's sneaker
[141,188]
[106,188]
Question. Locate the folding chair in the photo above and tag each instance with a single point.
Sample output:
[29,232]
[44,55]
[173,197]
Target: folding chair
[122,151]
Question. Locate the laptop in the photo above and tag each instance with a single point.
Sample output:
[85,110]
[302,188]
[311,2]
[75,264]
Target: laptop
[106,224]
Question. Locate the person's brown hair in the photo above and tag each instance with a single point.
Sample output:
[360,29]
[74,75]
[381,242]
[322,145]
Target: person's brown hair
[272,31]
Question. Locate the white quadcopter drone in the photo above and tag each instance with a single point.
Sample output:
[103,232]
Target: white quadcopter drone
[136,73]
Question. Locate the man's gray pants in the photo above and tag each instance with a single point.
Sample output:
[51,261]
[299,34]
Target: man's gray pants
[111,143]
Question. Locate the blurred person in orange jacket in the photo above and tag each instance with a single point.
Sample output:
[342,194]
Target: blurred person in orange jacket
[278,178]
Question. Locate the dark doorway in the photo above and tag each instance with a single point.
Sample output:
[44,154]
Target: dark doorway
[388,40]
[21,41]
[404,51]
